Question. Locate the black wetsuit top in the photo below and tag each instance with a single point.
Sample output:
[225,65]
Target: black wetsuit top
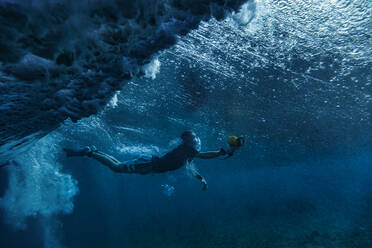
[174,159]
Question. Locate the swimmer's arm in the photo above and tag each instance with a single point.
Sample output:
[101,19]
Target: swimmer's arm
[211,154]
[199,177]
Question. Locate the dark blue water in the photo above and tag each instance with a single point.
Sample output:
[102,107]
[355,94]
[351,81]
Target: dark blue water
[292,77]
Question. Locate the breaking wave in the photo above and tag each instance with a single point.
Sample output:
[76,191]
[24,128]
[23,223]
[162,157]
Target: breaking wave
[294,78]
[65,59]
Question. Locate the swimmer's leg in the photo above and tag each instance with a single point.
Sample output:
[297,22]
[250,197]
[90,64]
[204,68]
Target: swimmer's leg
[142,165]
[138,166]
[109,161]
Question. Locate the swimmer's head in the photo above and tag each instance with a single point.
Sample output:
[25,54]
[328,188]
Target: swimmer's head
[189,138]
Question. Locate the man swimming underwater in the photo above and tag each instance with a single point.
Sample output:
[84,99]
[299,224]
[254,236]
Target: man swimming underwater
[173,160]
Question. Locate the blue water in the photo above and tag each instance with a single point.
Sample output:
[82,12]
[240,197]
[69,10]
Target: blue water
[292,77]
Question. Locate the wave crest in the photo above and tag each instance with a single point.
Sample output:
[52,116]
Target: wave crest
[61,59]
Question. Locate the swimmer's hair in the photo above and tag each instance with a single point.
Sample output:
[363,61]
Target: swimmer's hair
[186,134]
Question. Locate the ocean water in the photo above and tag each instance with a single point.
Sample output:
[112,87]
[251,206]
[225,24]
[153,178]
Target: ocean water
[292,77]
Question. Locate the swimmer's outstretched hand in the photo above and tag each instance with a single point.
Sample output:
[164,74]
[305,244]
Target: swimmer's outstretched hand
[204,184]
[222,152]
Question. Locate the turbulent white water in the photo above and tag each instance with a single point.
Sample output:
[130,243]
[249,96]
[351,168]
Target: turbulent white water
[37,187]
[282,73]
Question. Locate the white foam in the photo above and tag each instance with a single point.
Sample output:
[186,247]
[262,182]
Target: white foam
[245,14]
[37,186]
[114,100]
[152,69]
